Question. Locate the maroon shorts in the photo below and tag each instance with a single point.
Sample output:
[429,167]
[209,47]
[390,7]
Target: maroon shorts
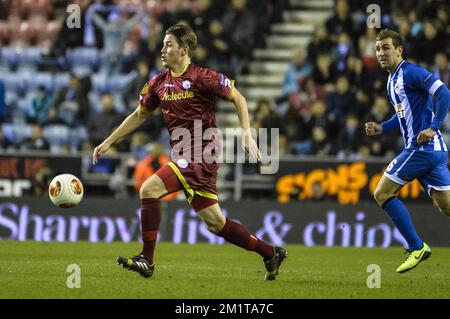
[196,179]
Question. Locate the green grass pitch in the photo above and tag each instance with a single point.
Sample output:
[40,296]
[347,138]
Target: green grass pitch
[38,270]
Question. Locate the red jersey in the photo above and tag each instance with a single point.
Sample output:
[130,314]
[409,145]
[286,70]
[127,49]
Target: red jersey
[187,102]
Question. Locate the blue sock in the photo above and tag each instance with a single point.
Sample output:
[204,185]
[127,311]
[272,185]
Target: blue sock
[401,219]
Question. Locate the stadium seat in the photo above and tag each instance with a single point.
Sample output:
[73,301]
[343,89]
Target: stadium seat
[77,135]
[33,81]
[12,81]
[29,56]
[56,134]
[89,57]
[60,80]
[100,82]
[16,133]
[119,82]
[9,56]
[118,103]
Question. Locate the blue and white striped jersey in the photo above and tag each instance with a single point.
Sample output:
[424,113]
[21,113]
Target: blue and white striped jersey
[411,88]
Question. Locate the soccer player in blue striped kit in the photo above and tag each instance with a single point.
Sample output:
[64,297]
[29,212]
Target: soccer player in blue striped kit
[411,89]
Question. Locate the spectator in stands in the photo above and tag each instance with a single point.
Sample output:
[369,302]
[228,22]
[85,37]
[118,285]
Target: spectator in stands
[441,68]
[299,129]
[362,103]
[40,106]
[342,50]
[357,73]
[177,12]
[68,37]
[241,24]
[350,138]
[103,123]
[136,84]
[3,12]
[366,48]
[320,43]
[139,145]
[429,43]
[218,48]
[147,166]
[205,12]
[341,21]
[277,7]
[379,111]
[341,100]
[154,126]
[404,29]
[3,113]
[324,71]
[266,118]
[298,69]
[303,99]
[115,32]
[321,144]
[36,141]
[71,102]
[150,45]
[382,144]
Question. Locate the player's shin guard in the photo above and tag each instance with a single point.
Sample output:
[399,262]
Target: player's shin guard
[150,220]
[238,235]
[402,220]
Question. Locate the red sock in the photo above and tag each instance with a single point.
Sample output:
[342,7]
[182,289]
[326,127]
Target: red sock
[150,219]
[238,235]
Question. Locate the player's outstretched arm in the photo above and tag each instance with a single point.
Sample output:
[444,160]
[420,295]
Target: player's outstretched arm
[249,143]
[133,121]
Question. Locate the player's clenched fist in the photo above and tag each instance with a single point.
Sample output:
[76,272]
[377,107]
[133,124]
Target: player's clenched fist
[425,136]
[373,128]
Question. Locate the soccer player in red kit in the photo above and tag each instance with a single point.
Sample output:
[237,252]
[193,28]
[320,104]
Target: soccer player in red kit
[186,94]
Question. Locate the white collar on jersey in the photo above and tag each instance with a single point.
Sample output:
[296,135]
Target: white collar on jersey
[397,68]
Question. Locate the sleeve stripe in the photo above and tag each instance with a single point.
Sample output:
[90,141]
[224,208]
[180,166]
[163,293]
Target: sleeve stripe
[232,91]
[435,86]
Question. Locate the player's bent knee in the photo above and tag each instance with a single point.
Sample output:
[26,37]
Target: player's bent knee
[380,196]
[445,210]
[214,226]
[150,189]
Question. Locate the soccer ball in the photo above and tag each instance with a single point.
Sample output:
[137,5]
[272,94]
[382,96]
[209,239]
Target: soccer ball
[65,190]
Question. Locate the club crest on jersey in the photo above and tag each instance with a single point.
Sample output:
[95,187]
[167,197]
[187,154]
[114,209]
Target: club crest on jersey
[400,110]
[186,85]
[182,163]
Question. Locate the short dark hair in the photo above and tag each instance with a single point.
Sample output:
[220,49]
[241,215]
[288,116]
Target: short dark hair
[396,38]
[185,36]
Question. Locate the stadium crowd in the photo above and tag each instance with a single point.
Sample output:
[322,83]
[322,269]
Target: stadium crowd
[331,89]
[64,89]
